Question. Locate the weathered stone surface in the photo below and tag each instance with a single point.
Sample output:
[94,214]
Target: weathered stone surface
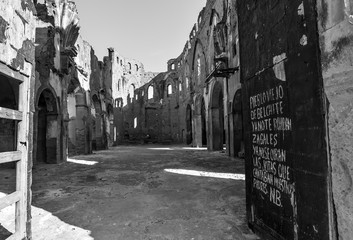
[336,42]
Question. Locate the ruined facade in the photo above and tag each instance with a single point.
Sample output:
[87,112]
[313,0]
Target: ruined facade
[198,100]
[73,95]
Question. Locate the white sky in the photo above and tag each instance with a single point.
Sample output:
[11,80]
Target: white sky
[151,31]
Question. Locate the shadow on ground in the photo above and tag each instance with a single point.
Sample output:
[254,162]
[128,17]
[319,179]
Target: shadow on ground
[124,193]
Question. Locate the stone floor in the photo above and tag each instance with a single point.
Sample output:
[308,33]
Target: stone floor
[126,193]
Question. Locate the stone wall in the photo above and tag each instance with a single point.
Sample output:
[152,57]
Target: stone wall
[164,118]
[336,44]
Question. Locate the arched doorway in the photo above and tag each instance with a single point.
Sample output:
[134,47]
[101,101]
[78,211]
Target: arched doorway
[188,125]
[97,126]
[200,122]
[217,136]
[203,122]
[110,125]
[47,128]
[238,124]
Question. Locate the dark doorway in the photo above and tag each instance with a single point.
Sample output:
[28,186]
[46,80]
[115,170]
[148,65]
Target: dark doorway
[47,128]
[217,118]
[188,125]
[203,122]
[238,124]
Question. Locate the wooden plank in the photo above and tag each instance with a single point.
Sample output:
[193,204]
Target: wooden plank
[7,71]
[10,199]
[10,114]
[22,166]
[6,157]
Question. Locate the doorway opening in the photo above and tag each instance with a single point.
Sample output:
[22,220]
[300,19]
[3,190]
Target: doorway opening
[238,125]
[217,118]
[188,125]
[47,128]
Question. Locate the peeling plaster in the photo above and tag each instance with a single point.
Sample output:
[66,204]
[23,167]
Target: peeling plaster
[304,40]
[278,68]
[301,11]
[3,27]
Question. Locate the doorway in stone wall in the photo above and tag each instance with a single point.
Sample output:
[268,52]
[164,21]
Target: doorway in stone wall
[47,128]
[200,133]
[217,135]
[188,125]
[97,128]
[203,122]
[238,124]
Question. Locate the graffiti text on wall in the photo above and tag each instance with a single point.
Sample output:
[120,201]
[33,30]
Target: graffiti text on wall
[270,125]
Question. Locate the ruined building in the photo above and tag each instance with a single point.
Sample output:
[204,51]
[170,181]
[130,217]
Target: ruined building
[195,101]
[266,80]
[276,79]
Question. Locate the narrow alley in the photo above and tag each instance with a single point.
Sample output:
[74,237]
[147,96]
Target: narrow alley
[134,192]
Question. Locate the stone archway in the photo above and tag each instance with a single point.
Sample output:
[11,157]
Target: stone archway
[217,133]
[238,131]
[48,134]
[188,125]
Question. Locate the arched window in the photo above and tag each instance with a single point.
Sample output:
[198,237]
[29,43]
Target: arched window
[198,68]
[132,91]
[187,82]
[135,122]
[170,89]
[180,87]
[129,64]
[137,67]
[150,92]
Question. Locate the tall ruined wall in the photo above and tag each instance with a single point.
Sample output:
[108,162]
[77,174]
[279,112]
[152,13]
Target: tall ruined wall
[168,117]
[17,34]
[336,44]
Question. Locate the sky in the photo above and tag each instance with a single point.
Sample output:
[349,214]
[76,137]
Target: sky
[150,31]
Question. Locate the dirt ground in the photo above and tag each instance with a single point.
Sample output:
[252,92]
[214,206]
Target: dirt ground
[125,193]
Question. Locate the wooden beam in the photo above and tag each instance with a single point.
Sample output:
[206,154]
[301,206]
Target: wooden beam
[10,114]
[6,157]
[10,199]
[9,72]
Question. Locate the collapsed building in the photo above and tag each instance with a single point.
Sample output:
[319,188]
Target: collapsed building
[245,82]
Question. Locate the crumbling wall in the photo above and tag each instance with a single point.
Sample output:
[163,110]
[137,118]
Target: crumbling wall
[164,117]
[336,45]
